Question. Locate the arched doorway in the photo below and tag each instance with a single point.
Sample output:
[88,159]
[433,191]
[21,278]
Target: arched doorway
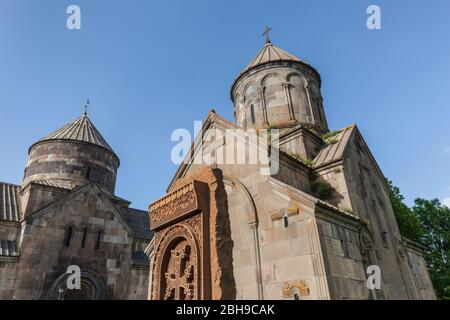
[91,288]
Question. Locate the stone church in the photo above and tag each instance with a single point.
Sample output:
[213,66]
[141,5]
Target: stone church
[65,213]
[310,230]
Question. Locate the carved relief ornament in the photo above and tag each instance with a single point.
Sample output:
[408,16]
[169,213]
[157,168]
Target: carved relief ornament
[177,204]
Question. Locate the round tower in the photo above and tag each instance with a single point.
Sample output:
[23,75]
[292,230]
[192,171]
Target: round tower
[278,90]
[73,156]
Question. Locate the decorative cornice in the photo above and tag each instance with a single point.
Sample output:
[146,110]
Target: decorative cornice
[174,206]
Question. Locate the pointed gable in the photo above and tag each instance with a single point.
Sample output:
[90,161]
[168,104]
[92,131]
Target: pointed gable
[334,152]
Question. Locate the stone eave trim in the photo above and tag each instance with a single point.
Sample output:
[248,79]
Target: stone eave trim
[298,131]
[414,245]
[136,265]
[9,223]
[329,165]
[76,142]
[286,158]
[335,218]
[36,184]
[328,207]
[9,259]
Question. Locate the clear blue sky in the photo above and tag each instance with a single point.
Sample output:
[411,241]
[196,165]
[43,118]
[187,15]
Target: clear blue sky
[150,67]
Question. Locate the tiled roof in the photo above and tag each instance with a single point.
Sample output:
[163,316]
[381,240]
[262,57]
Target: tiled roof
[81,129]
[270,53]
[8,248]
[9,202]
[140,258]
[334,152]
[139,222]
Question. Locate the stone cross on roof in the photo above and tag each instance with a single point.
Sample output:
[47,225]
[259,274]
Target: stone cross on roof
[86,107]
[266,34]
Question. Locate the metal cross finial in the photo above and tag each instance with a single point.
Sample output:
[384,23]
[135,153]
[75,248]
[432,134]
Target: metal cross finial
[266,34]
[86,107]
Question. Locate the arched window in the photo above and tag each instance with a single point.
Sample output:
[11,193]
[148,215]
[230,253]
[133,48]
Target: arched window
[252,113]
[69,233]
[83,238]
[250,91]
[88,173]
[273,93]
[97,240]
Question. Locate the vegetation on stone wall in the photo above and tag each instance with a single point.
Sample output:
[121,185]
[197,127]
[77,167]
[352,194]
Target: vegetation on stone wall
[305,160]
[321,189]
[428,223]
[348,210]
[329,138]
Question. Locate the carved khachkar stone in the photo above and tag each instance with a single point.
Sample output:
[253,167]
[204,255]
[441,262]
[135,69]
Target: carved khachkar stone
[190,224]
[179,282]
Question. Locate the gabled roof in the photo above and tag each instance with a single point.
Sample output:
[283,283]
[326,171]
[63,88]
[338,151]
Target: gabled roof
[83,130]
[139,222]
[134,221]
[334,152]
[10,205]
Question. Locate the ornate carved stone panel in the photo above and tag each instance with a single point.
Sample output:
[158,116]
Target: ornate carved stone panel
[175,205]
[176,271]
[187,264]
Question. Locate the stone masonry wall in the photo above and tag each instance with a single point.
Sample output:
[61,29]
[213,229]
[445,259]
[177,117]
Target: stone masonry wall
[71,164]
[111,262]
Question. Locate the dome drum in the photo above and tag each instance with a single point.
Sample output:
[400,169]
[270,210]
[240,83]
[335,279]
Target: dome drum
[73,156]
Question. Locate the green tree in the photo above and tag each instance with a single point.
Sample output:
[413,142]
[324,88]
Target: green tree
[435,221]
[407,221]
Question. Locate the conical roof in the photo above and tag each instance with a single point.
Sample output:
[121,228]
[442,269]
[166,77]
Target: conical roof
[83,130]
[270,53]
